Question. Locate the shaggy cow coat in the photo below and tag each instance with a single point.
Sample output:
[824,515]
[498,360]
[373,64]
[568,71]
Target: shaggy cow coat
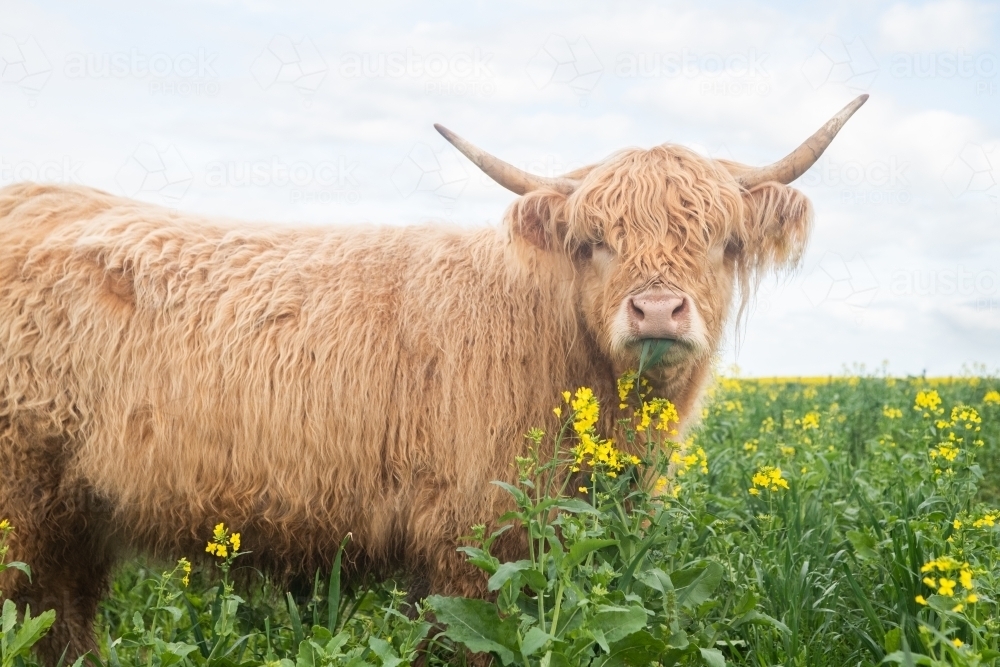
[161,372]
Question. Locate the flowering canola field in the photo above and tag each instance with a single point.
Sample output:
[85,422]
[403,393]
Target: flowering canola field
[804,521]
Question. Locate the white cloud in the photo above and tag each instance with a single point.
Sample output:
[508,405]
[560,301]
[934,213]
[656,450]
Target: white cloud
[939,25]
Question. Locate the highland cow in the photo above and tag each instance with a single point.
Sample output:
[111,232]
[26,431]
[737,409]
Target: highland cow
[161,372]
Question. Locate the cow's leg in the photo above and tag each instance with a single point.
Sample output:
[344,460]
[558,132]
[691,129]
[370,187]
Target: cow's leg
[58,530]
[73,590]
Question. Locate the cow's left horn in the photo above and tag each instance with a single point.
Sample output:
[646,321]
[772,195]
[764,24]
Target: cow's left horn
[798,161]
[517,181]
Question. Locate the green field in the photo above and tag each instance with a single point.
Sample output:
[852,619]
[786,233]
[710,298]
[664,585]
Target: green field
[809,521]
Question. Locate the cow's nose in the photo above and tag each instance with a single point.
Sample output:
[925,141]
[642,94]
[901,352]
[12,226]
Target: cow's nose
[659,313]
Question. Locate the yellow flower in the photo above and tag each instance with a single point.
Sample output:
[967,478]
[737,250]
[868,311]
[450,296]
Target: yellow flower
[892,413]
[956,524]
[754,491]
[928,402]
[992,397]
[220,532]
[956,641]
[770,478]
[5,526]
[565,396]
[582,489]
[946,586]
[920,599]
[965,577]
[557,411]
[972,598]
[930,582]
[809,421]
[234,540]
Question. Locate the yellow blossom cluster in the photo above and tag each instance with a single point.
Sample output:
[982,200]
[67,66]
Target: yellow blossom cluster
[988,520]
[665,413]
[945,451]
[946,584]
[809,421]
[750,446]
[928,402]
[993,397]
[185,566]
[767,426]
[222,542]
[592,450]
[689,456]
[769,478]
[892,413]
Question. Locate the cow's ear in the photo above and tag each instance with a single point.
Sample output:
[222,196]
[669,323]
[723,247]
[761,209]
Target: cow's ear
[776,227]
[537,218]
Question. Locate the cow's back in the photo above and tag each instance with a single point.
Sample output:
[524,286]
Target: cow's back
[301,381]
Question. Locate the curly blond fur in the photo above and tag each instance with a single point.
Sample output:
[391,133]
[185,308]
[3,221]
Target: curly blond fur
[160,372]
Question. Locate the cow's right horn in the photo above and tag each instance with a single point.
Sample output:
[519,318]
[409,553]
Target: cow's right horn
[517,181]
[798,161]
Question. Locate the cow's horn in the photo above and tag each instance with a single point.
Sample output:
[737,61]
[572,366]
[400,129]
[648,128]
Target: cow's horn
[798,161]
[517,181]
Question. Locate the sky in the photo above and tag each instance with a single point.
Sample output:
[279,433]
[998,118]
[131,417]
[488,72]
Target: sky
[322,113]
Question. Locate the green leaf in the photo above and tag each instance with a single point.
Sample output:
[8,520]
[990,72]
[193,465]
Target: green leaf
[18,565]
[652,352]
[384,651]
[697,583]
[576,506]
[864,544]
[9,616]
[892,640]
[639,649]
[505,572]
[481,559]
[477,625]
[902,657]
[656,579]
[618,622]
[534,640]
[333,592]
[519,495]
[174,652]
[31,630]
[579,551]
[296,619]
[713,657]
